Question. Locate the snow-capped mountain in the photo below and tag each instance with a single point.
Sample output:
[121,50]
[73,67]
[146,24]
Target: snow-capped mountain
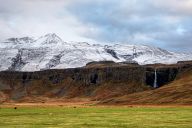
[51,52]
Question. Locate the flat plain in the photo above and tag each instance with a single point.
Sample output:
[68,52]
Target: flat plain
[96,117]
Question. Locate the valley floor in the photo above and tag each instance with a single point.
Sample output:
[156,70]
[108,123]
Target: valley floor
[86,115]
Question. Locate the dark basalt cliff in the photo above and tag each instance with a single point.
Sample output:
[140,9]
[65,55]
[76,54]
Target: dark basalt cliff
[97,80]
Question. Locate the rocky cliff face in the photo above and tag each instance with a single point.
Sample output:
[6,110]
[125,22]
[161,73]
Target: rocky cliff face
[166,73]
[90,81]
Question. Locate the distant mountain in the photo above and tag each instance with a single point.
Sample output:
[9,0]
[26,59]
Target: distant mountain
[51,52]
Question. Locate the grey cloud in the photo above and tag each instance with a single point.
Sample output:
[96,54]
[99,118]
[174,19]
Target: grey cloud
[163,23]
[155,22]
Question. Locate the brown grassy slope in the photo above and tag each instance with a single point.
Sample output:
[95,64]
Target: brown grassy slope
[177,92]
[2,97]
[36,91]
[110,90]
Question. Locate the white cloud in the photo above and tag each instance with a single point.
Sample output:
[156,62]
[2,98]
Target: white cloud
[158,22]
[35,18]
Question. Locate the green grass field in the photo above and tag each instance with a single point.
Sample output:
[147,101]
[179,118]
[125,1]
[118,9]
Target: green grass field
[96,117]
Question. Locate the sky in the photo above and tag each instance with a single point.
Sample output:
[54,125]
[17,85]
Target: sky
[162,23]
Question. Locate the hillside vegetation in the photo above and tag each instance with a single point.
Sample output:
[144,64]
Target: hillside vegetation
[177,92]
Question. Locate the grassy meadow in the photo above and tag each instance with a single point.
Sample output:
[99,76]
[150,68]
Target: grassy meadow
[96,117]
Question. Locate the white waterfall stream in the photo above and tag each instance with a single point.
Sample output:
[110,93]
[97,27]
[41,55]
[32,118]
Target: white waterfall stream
[155,80]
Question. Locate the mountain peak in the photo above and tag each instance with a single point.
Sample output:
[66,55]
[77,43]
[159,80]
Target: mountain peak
[51,35]
[50,38]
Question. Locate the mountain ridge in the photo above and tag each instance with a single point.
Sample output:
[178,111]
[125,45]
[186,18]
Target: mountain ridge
[51,52]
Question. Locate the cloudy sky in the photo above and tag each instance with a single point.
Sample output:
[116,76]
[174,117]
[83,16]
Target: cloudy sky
[162,23]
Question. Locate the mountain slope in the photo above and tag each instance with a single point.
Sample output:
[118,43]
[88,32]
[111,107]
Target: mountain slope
[51,52]
[177,92]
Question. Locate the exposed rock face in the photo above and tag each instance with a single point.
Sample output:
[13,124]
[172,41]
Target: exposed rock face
[85,76]
[164,75]
[112,52]
[18,63]
[54,61]
[86,81]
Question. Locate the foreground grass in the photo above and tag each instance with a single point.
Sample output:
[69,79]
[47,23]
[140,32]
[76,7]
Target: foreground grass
[96,117]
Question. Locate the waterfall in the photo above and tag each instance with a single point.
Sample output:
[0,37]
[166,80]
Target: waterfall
[155,80]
